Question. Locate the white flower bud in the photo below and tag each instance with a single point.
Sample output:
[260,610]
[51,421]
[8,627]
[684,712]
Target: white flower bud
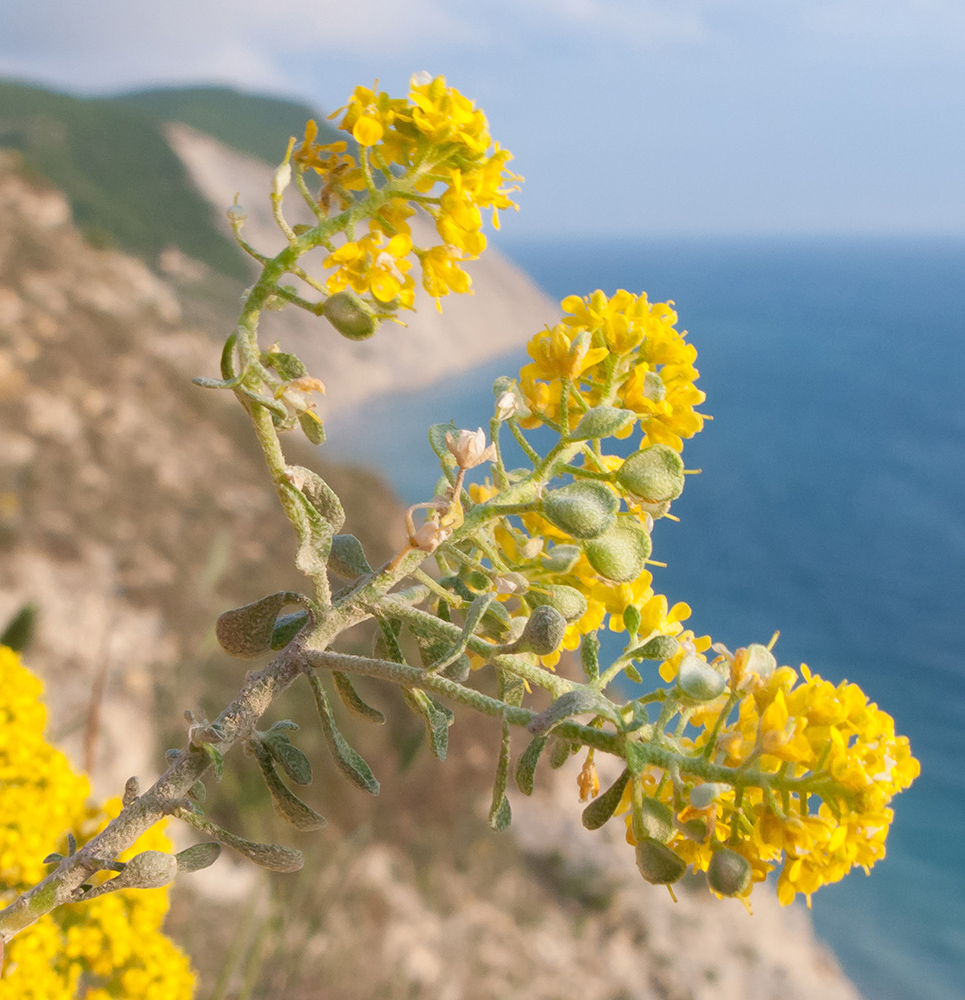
[281,180]
[506,405]
[236,214]
[429,537]
[469,449]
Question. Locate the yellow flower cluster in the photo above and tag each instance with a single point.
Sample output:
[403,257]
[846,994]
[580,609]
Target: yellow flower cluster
[832,764]
[621,350]
[110,947]
[432,149]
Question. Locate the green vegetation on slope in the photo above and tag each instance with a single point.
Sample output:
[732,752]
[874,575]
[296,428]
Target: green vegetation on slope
[125,184]
[251,123]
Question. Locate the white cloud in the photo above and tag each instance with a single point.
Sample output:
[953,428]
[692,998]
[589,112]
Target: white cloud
[104,44]
[115,43]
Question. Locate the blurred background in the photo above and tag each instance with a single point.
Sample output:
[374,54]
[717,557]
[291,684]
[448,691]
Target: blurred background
[789,175]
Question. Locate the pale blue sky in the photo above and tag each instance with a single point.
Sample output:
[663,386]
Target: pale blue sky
[695,116]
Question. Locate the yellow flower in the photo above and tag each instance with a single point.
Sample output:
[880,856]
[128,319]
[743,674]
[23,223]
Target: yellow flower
[365,265]
[557,354]
[114,942]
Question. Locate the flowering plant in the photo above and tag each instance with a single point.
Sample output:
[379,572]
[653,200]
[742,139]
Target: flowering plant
[731,763]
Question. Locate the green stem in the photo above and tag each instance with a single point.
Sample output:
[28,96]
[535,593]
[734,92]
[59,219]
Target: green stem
[528,449]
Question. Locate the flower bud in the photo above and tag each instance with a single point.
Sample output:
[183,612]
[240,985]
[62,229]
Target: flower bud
[655,474]
[352,317]
[760,660]
[507,405]
[582,509]
[729,873]
[621,553]
[281,179]
[511,583]
[236,214]
[699,680]
[570,603]
[601,422]
[657,863]
[469,448]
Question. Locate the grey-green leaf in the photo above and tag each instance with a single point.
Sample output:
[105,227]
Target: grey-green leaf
[296,765]
[320,495]
[287,627]
[603,807]
[353,702]
[216,758]
[287,805]
[501,816]
[272,856]
[312,427]
[526,765]
[561,751]
[437,439]
[247,631]
[287,365]
[438,719]
[590,655]
[349,761]
[348,557]
[576,702]
[313,530]
[193,859]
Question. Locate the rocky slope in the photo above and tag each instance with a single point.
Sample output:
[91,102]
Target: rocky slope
[133,509]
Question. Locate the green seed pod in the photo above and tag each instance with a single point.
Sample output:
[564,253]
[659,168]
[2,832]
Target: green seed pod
[704,794]
[570,603]
[352,317]
[583,509]
[657,863]
[655,474]
[601,422]
[694,829]
[660,647]
[729,873]
[561,558]
[653,822]
[543,632]
[621,553]
[699,680]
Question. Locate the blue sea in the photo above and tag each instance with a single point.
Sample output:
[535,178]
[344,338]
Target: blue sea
[831,506]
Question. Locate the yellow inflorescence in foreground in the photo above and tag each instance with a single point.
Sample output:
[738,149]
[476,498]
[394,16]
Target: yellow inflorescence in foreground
[109,947]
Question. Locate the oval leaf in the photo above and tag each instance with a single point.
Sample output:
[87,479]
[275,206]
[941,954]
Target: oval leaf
[603,807]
